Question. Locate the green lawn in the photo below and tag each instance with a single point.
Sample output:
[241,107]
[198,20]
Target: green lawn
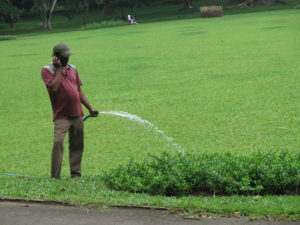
[222,84]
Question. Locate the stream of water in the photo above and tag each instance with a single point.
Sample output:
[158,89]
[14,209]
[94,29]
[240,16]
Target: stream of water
[147,123]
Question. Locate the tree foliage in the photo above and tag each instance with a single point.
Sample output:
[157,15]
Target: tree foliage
[9,13]
[25,5]
[71,7]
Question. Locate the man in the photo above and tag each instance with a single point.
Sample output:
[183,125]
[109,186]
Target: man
[64,88]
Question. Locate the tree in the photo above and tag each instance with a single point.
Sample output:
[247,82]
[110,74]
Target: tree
[107,6]
[188,4]
[86,7]
[46,8]
[25,5]
[9,14]
[72,7]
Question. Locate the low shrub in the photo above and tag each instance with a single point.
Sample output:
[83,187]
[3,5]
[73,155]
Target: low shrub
[7,37]
[297,6]
[221,174]
[211,11]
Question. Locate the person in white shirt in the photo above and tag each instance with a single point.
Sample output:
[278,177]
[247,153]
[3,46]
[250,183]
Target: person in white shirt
[129,19]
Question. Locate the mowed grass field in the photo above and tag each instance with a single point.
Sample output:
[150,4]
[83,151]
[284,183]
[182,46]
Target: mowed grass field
[228,84]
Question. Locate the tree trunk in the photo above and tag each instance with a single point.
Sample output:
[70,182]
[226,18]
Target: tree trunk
[44,9]
[46,12]
[107,9]
[49,14]
[86,12]
[13,25]
[188,4]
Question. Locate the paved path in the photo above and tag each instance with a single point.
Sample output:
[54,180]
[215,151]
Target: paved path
[12,213]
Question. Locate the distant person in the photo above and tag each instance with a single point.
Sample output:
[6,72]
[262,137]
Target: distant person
[129,19]
[133,20]
[66,96]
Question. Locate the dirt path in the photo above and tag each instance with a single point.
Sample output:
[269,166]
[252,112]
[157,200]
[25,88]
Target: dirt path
[12,213]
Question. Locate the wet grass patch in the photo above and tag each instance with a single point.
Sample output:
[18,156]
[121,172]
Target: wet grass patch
[83,38]
[7,37]
[21,55]
[193,33]
[274,27]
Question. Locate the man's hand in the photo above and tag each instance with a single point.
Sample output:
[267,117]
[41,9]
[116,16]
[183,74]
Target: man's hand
[85,102]
[94,112]
[55,83]
[57,62]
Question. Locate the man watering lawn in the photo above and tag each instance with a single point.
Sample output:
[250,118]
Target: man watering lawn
[64,88]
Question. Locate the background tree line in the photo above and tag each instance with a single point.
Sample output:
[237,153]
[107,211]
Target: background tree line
[11,10]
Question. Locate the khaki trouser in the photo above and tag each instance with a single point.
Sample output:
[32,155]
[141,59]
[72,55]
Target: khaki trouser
[75,128]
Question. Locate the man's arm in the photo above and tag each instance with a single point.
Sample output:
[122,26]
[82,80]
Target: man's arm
[85,102]
[54,85]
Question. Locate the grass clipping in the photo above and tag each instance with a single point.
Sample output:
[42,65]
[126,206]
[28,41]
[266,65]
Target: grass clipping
[209,174]
[7,37]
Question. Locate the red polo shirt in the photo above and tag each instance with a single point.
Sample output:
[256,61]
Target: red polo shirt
[66,101]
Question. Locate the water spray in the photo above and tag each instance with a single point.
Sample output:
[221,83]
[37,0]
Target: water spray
[143,122]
